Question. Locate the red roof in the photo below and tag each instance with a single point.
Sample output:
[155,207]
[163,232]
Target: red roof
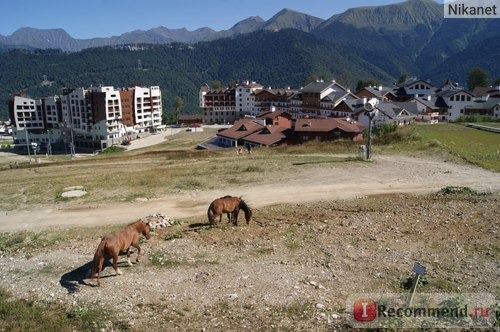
[241,128]
[267,136]
[328,124]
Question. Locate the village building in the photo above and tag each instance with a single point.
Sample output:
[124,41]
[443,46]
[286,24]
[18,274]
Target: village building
[387,113]
[380,92]
[484,107]
[189,119]
[329,129]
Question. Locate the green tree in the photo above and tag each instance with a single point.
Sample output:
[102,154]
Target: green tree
[216,85]
[178,105]
[497,82]
[477,77]
[310,79]
[368,82]
[403,78]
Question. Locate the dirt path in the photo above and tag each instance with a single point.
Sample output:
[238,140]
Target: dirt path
[387,174]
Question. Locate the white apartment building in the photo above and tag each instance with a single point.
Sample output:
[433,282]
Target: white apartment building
[245,99]
[85,118]
[148,108]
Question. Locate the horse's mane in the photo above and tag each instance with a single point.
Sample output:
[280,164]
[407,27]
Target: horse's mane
[138,223]
[245,207]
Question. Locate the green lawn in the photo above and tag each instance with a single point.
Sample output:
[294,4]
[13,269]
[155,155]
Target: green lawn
[478,147]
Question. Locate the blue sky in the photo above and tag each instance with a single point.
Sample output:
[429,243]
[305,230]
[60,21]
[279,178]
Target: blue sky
[104,18]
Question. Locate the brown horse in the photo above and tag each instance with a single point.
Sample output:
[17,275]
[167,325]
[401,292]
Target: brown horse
[231,206]
[112,244]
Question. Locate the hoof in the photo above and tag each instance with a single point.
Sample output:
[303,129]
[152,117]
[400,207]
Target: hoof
[118,272]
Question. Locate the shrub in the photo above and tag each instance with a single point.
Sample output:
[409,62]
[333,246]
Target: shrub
[475,118]
[453,190]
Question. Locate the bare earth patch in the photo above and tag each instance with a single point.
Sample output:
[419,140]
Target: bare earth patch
[358,230]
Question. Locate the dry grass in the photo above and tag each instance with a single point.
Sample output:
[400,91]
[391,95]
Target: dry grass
[155,171]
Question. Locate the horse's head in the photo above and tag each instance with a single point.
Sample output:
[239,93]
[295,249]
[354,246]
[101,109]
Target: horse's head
[248,216]
[248,211]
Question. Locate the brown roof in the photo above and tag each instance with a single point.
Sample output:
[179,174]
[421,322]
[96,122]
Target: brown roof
[326,125]
[275,114]
[190,117]
[241,128]
[267,136]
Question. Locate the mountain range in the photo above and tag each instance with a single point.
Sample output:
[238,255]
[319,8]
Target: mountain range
[378,42]
[60,39]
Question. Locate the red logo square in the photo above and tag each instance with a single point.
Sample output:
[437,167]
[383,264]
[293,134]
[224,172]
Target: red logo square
[364,310]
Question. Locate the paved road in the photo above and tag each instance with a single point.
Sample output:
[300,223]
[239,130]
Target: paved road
[152,139]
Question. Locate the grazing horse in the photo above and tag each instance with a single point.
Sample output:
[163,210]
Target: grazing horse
[112,244]
[229,205]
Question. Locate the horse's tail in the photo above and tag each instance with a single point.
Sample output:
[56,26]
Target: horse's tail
[210,214]
[98,260]
[248,211]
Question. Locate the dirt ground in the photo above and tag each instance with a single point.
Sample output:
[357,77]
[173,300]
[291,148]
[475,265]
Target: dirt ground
[387,174]
[311,244]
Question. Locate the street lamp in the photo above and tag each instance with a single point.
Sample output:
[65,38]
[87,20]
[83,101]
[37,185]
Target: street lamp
[35,148]
[27,141]
[370,110]
[49,146]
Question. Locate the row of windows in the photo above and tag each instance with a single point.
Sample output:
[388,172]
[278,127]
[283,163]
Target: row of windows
[420,87]
[220,113]
[460,98]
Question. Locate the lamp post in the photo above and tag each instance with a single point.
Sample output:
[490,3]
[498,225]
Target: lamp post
[72,144]
[370,110]
[27,141]
[49,146]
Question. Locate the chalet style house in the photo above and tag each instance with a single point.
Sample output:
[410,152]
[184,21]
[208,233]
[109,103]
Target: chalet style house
[414,100]
[276,128]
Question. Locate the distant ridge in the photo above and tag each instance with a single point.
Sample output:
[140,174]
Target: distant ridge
[60,39]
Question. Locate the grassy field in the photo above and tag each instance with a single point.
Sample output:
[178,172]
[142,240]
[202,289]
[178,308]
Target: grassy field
[475,146]
[175,165]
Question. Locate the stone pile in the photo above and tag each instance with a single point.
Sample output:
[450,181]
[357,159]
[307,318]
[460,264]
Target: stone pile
[158,220]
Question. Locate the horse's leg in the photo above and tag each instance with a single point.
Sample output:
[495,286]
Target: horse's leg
[115,264]
[128,256]
[99,269]
[136,245]
[228,217]
[235,217]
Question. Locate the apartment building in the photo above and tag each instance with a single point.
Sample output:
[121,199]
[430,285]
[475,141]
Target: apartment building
[93,118]
[219,105]
[245,98]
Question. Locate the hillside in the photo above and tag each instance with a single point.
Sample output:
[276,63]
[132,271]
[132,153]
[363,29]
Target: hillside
[284,58]
[379,42]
